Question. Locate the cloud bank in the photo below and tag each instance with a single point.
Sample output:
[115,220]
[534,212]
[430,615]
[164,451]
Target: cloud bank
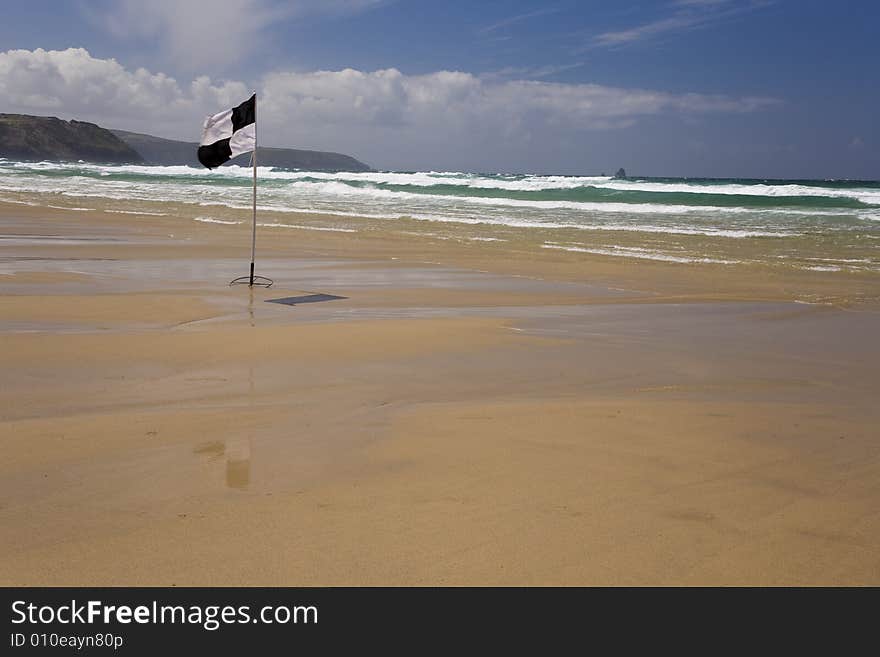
[446,119]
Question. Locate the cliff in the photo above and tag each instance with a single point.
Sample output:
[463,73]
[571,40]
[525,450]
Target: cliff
[156,150]
[24,137]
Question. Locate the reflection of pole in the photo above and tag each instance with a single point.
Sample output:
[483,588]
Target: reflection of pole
[254,161]
[238,463]
[238,450]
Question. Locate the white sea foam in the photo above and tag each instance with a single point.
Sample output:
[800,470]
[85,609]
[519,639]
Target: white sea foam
[845,260]
[434,178]
[321,228]
[499,203]
[143,212]
[452,211]
[511,222]
[871,196]
[322,190]
[17,202]
[342,190]
[445,214]
[212,220]
[633,252]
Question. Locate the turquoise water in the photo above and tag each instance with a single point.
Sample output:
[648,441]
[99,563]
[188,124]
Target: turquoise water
[819,224]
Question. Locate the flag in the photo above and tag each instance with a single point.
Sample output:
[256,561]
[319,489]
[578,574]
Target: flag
[229,133]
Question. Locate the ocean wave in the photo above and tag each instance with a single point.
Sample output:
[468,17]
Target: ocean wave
[591,217]
[340,189]
[633,252]
[660,210]
[143,212]
[550,183]
[869,196]
[326,229]
[434,179]
[510,222]
[610,227]
[501,182]
[212,220]
[825,268]
[539,222]
[143,169]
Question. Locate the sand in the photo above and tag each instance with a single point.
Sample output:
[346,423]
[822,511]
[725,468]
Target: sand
[468,413]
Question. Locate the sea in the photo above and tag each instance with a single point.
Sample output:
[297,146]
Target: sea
[814,225]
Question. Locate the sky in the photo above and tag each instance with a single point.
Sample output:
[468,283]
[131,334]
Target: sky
[721,88]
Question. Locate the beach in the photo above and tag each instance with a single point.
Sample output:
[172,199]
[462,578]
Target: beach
[466,412]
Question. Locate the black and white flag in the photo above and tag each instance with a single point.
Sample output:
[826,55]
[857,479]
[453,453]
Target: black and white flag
[229,133]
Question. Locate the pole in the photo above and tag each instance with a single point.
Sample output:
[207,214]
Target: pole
[253,279]
[254,228]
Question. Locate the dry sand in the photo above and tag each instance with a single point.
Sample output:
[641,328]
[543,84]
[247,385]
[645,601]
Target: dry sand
[467,414]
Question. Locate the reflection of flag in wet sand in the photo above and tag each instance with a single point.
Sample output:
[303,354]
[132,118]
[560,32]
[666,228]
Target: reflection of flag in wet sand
[238,463]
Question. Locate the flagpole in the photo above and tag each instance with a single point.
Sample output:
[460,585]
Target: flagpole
[254,227]
[252,279]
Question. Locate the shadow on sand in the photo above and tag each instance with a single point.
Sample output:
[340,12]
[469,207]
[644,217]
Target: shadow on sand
[307,298]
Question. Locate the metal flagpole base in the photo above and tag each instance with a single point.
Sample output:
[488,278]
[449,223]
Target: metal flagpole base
[258,281]
[251,280]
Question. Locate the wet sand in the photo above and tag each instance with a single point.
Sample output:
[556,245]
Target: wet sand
[468,413]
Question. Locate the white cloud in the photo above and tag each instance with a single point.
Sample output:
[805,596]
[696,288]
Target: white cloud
[386,117]
[73,84]
[673,23]
[689,15]
[530,72]
[700,3]
[195,34]
[511,20]
[450,103]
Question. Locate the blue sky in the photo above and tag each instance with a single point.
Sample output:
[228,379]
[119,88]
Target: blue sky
[758,88]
